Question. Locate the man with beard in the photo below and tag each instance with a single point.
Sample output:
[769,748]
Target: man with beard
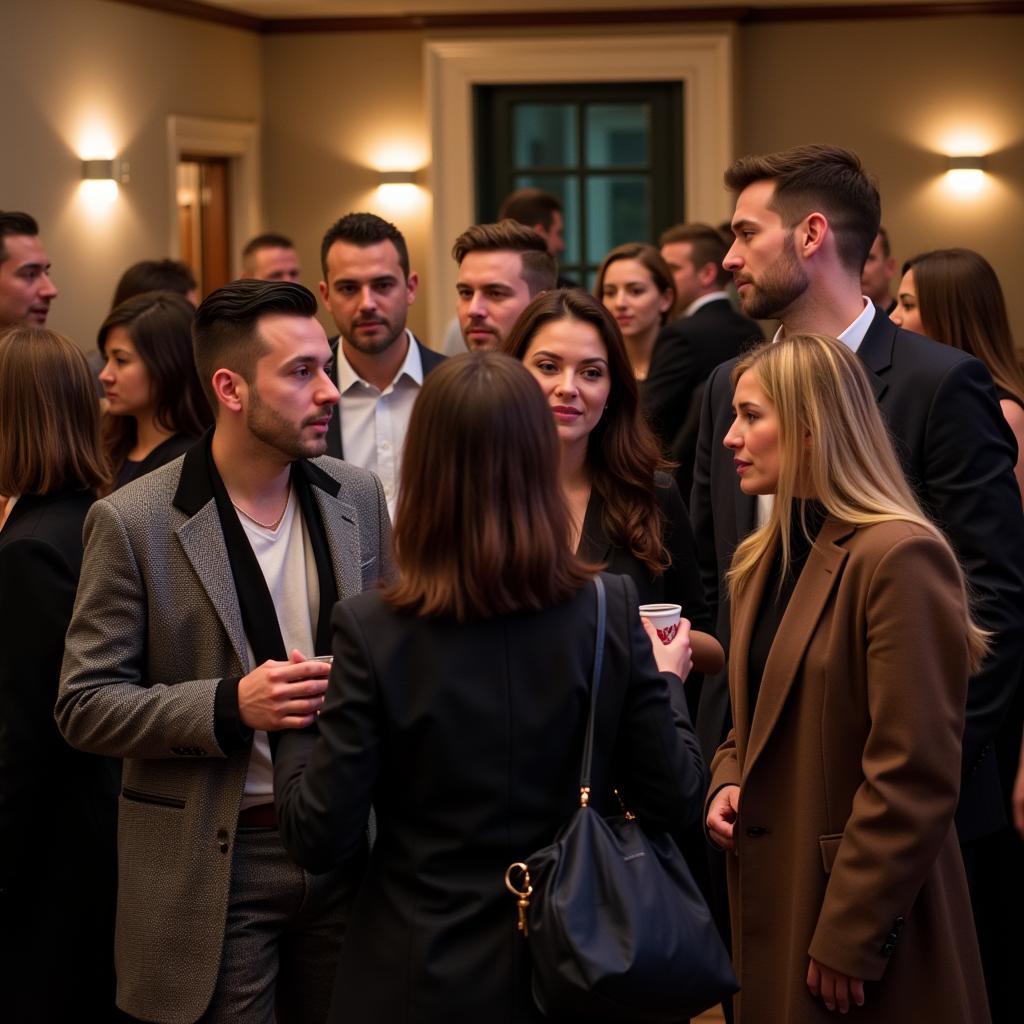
[206,591]
[380,365]
[804,221]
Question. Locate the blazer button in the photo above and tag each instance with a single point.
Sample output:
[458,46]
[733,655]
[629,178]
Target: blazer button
[887,949]
[222,840]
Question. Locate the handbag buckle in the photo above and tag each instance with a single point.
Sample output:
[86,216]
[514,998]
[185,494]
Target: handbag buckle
[522,895]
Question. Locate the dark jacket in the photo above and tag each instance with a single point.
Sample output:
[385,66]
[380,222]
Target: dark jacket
[468,740]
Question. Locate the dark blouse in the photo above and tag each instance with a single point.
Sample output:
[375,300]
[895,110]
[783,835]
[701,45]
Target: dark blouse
[166,451]
[680,583]
[775,600]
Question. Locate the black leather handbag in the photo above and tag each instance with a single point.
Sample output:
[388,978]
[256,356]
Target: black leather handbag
[617,928]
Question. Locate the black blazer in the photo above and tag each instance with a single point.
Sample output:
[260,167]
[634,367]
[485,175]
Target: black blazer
[468,740]
[166,451]
[958,453]
[430,359]
[58,806]
[686,352]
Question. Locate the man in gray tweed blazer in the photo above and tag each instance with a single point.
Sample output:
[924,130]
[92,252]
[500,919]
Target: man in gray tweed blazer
[206,587]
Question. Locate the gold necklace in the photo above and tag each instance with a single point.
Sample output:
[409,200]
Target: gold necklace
[271,526]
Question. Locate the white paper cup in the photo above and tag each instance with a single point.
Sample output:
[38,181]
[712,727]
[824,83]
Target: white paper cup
[665,619]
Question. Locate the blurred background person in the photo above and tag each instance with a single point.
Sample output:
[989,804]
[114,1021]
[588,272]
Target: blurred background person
[879,270]
[58,806]
[625,513]
[155,406]
[458,702]
[26,288]
[541,211]
[953,296]
[271,257]
[850,654]
[636,286]
[156,276]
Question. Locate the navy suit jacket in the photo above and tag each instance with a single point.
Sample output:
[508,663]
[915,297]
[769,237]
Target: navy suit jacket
[430,359]
[958,453]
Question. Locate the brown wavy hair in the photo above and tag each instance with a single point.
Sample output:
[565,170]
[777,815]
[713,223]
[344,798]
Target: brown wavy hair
[622,452]
[49,416]
[482,528]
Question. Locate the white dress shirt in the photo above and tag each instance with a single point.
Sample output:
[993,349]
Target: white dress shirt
[374,422]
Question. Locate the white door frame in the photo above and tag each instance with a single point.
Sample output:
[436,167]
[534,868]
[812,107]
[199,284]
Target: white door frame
[239,141]
[702,61]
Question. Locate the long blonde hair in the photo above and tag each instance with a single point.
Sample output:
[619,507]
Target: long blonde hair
[820,390]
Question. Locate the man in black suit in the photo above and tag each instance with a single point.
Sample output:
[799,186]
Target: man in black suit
[804,221]
[379,363]
[708,332]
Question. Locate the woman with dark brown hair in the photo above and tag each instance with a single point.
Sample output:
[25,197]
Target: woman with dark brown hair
[58,806]
[155,406]
[457,703]
[625,512]
[637,288]
[953,296]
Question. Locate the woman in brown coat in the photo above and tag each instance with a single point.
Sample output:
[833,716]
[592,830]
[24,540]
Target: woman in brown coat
[852,644]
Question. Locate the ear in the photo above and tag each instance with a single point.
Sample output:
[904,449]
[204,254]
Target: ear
[411,285]
[707,275]
[323,293]
[811,234]
[230,389]
[666,303]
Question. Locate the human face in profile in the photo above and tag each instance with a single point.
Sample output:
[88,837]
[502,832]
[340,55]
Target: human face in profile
[569,361]
[753,437]
[26,290]
[907,313]
[127,384]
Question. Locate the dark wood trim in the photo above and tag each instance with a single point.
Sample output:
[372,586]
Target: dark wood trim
[201,12]
[742,14]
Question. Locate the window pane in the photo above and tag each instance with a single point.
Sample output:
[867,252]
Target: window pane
[566,188]
[618,210]
[617,134]
[544,134]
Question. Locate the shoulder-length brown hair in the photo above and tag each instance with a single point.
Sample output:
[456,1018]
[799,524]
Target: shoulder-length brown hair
[622,452]
[649,257]
[49,416]
[159,325]
[481,527]
[962,306]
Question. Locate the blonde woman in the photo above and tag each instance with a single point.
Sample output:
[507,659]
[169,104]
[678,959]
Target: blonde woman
[852,644]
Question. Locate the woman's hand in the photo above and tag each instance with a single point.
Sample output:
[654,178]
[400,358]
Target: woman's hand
[722,814]
[834,988]
[675,657]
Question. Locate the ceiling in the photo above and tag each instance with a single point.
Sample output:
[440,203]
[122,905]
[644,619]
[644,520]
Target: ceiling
[414,8]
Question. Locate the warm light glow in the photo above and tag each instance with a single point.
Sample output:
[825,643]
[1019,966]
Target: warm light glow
[398,156]
[401,198]
[964,183]
[98,193]
[965,143]
[96,143]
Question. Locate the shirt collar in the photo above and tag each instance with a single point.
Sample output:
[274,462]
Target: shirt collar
[411,368]
[703,300]
[853,336]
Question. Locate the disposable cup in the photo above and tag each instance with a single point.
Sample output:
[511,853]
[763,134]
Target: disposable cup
[664,618]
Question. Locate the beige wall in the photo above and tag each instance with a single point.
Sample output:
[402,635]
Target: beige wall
[77,70]
[332,105]
[900,92]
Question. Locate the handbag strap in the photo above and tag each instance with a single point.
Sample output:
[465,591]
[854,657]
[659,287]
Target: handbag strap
[595,682]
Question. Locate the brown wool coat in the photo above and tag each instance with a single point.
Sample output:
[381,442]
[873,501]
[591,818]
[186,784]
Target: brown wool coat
[848,775]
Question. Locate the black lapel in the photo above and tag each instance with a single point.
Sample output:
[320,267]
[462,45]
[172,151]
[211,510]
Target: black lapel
[875,351]
[305,475]
[594,545]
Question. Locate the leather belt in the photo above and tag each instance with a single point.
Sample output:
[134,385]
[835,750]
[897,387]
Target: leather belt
[260,816]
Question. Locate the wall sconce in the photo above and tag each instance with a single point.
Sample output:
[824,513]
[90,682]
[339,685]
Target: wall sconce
[397,178]
[100,178]
[966,174]
[399,191]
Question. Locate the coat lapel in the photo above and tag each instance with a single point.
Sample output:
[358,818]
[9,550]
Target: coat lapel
[594,545]
[339,519]
[875,352]
[810,596]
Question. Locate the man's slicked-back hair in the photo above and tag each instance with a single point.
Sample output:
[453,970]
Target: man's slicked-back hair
[153,276]
[530,206]
[821,178]
[13,222]
[540,272]
[363,230]
[707,244]
[224,332]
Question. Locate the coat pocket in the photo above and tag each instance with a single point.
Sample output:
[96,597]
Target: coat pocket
[138,797]
[829,846]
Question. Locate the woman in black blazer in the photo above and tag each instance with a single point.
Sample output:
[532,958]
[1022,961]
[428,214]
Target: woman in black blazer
[155,406]
[58,806]
[457,705]
[626,513]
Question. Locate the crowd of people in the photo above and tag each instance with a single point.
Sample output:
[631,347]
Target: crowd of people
[296,631]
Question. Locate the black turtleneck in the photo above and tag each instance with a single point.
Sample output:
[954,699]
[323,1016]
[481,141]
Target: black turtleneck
[775,600]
